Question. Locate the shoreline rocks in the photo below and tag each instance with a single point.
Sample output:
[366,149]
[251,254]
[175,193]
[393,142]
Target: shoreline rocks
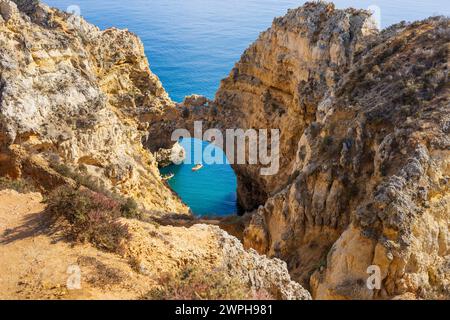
[167,157]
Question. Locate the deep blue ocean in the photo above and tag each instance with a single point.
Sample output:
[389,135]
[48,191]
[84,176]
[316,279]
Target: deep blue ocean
[192,44]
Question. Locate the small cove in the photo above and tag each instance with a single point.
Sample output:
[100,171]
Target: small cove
[210,191]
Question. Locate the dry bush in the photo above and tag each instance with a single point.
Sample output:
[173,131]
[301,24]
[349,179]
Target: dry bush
[19,185]
[92,216]
[128,206]
[81,178]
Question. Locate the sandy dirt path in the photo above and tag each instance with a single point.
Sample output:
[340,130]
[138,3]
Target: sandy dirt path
[35,264]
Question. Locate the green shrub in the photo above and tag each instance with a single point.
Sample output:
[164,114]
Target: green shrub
[62,169]
[185,113]
[327,145]
[19,185]
[81,177]
[130,209]
[92,216]
[327,141]
[128,206]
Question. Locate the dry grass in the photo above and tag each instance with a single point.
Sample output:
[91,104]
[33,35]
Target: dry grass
[199,284]
[92,216]
[19,185]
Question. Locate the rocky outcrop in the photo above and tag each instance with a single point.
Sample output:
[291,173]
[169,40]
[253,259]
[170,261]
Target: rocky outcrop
[260,272]
[152,252]
[364,150]
[208,247]
[174,155]
[280,80]
[79,100]
[76,95]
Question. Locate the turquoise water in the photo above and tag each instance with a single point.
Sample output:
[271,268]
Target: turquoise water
[212,189]
[192,44]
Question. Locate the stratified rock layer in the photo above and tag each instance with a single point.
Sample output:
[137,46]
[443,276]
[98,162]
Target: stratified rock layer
[73,94]
[75,98]
[365,150]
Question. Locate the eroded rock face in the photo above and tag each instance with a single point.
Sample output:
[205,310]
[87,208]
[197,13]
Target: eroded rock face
[209,247]
[364,150]
[262,273]
[364,121]
[281,78]
[73,94]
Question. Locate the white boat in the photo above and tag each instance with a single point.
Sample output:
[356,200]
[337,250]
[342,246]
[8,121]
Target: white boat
[168,176]
[197,167]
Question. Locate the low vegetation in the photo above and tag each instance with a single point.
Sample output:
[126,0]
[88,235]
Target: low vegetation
[128,206]
[327,142]
[81,177]
[92,216]
[90,209]
[198,284]
[19,185]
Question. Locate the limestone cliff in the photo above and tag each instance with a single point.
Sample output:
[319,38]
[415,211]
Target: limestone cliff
[281,78]
[76,95]
[364,150]
[79,102]
[364,120]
